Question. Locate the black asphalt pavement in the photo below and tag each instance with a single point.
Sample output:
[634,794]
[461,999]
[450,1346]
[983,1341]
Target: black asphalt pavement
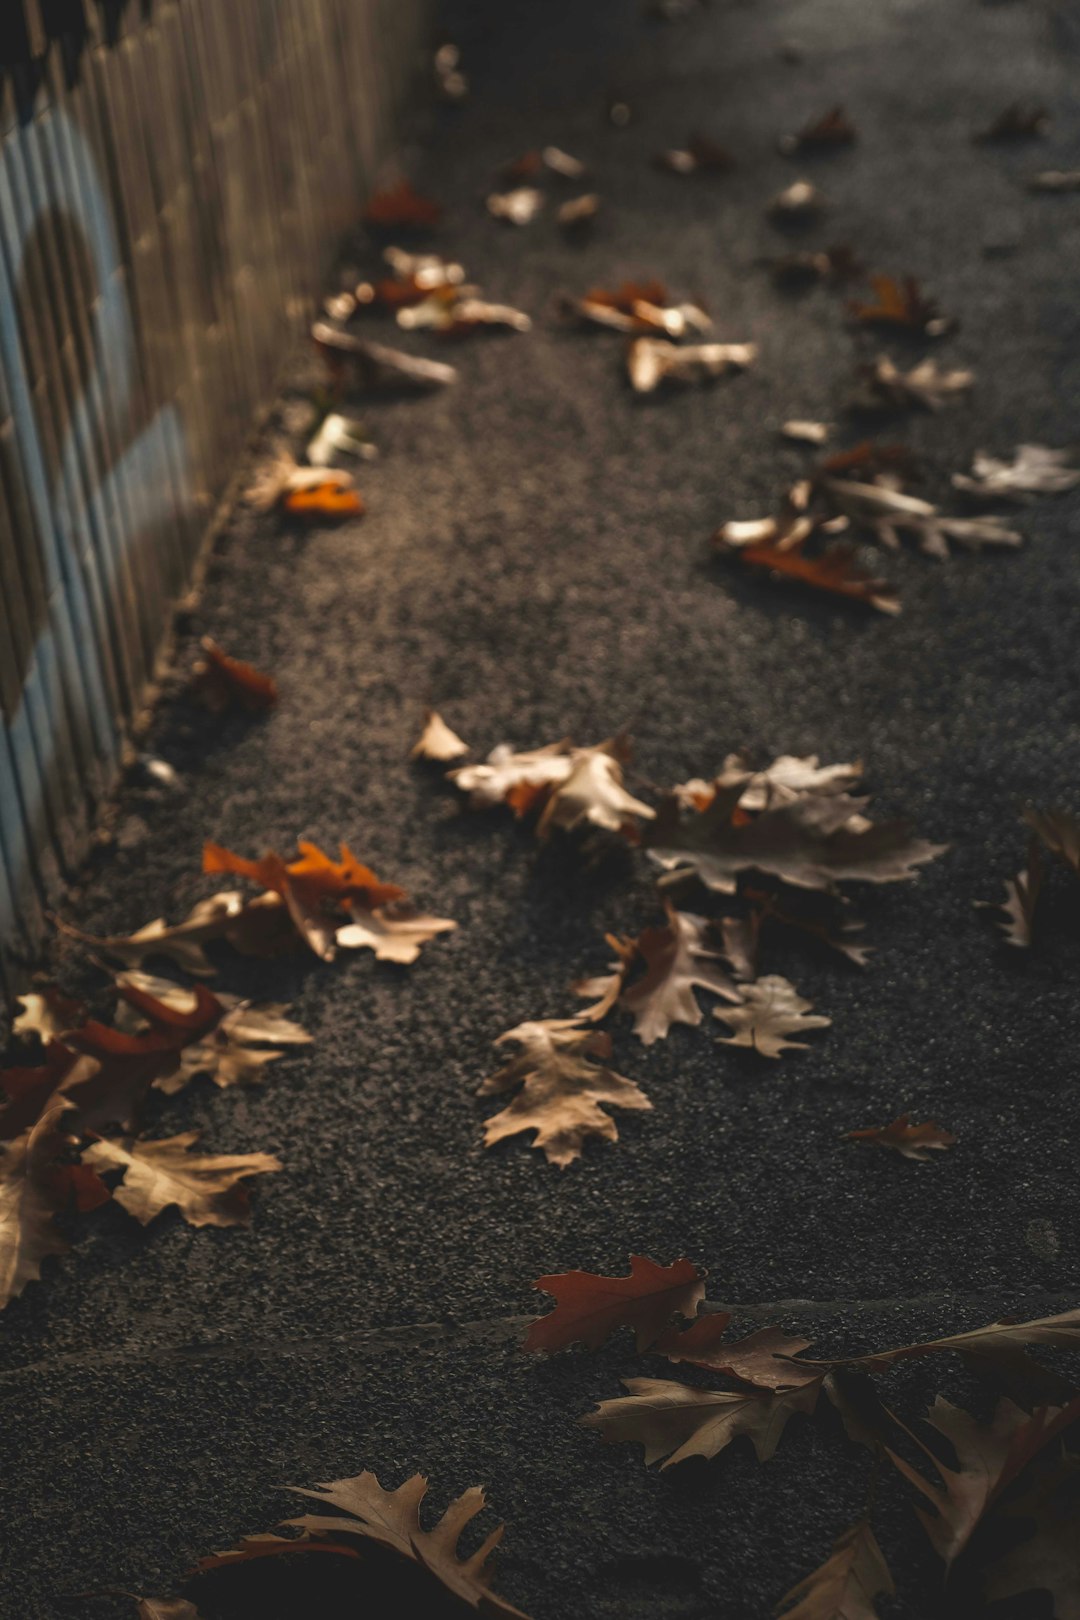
[535,561]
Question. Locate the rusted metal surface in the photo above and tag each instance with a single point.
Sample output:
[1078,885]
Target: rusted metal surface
[175,176]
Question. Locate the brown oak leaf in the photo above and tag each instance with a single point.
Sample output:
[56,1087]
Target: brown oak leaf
[677,956]
[222,916]
[392,1520]
[209,1190]
[651,362]
[1021,899]
[762,1359]
[900,302]
[771,1009]
[927,385]
[437,741]
[1059,831]
[675,1422]
[562,1089]
[910,1141]
[589,1307]
[34,1188]
[233,1052]
[846,1585]
[129,1064]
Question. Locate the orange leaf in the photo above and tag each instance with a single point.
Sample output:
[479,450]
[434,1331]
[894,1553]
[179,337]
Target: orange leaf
[590,1307]
[911,1141]
[325,500]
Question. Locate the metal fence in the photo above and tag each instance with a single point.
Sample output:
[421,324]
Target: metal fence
[174,178]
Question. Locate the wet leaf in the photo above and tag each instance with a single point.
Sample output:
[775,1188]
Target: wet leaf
[771,1010]
[590,1307]
[675,1422]
[562,1089]
[209,1190]
[910,1141]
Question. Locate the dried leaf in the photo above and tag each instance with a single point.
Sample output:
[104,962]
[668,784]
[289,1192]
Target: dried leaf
[563,164]
[400,206]
[392,1520]
[373,366]
[677,957]
[700,155]
[823,134]
[788,777]
[1048,1559]
[799,201]
[676,1422]
[771,1009]
[813,842]
[1021,899]
[339,434]
[182,944]
[561,1089]
[652,361]
[762,1359]
[832,265]
[208,1190]
[1034,470]
[455,311]
[900,302]
[846,1585]
[221,680]
[608,986]
[437,741]
[167,1609]
[590,1307]
[31,1193]
[990,1455]
[324,500]
[516,779]
[911,1141]
[232,1053]
[34,1092]
[282,478]
[833,570]
[394,932]
[517,207]
[888,512]
[593,793]
[1059,831]
[998,1350]
[46,1013]
[578,212]
[803,432]
[927,385]
[636,307]
[129,1064]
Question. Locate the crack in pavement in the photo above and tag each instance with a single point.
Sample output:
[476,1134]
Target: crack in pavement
[493,1330]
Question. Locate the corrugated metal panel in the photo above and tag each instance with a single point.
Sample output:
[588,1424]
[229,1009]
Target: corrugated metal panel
[174,179]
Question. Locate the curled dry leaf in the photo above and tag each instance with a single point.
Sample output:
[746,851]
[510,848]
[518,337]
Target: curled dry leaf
[910,1141]
[577,212]
[46,1013]
[797,202]
[339,435]
[283,478]
[455,311]
[221,680]
[635,307]
[232,1053]
[209,1190]
[392,1520]
[562,1089]
[771,1009]
[562,164]
[1034,470]
[1059,831]
[677,957]
[927,386]
[413,276]
[990,1456]
[833,570]
[394,932]
[33,1189]
[997,1349]
[401,207]
[888,512]
[899,302]
[242,923]
[803,432]
[437,741]
[846,1585]
[652,361]
[590,1307]
[823,134]
[569,786]
[675,1422]
[762,1359]
[517,207]
[1048,1559]
[813,842]
[1021,899]
[324,500]
[373,366]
